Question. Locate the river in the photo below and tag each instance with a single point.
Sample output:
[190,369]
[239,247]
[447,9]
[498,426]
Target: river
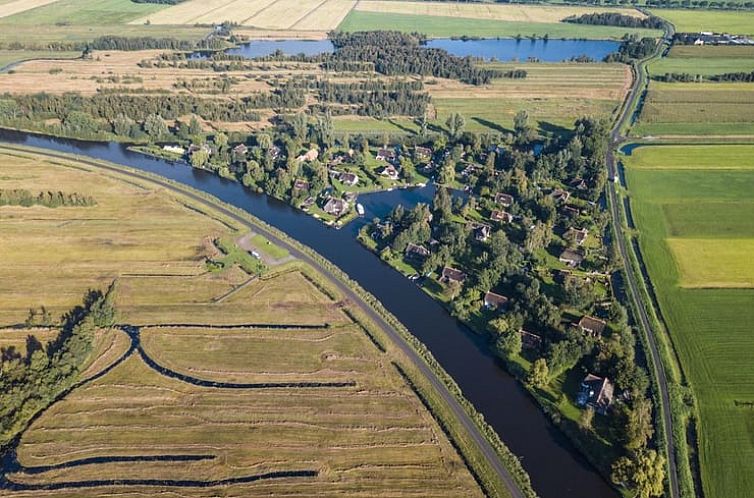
[556,468]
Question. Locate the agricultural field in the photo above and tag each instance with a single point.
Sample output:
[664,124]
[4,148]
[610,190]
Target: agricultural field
[8,57]
[447,26]
[719,21]
[214,382]
[705,60]
[17,6]
[694,211]
[316,15]
[554,95]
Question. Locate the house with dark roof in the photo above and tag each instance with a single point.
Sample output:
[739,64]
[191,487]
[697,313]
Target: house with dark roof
[335,207]
[577,236]
[560,195]
[504,200]
[592,326]
[493,301]
[349,179]
[415,251]
[596,392]
[530,340]
[390,172]
[387,155]
[482,232]
[300,185]
[452,275]
[571,258]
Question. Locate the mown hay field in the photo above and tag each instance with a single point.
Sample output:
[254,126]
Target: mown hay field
[718,21]
[179,405]
[308,15]
[520,13]
[81,12]
[696,234]
[17,6]
[447,26]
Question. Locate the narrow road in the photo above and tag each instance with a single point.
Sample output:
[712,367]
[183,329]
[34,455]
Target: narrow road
[657,367]
[484,446]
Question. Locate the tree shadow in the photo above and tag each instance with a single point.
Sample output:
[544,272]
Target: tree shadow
[491,125]
[32,346]
[401,127]
[554,130]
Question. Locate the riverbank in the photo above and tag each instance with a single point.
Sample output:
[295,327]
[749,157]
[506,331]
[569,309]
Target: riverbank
[440,391]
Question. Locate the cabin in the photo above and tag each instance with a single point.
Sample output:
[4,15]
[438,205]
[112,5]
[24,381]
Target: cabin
[501,216]
[390,172]
[308,157]
[596,392]
[349,179]
[570,211]
[299,185]
[493,301]
[452,275]
[422,154]
[530,340]
[387,155]
[335,207]
[592,326]
[504,200]
[560,195]
[571,258]
[577,236]
[417,252]
[240,150]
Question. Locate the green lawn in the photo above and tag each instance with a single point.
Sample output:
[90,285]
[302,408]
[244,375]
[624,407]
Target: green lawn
[696,20]
[710,328]
[689,157]
[440,27]
[705,60]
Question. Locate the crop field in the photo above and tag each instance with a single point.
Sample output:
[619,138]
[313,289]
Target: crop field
[705,60]
[697,20]
[213,384]
[697,235]
[16,6]
[83,12]
[315,15]
[447,26]
[697,109]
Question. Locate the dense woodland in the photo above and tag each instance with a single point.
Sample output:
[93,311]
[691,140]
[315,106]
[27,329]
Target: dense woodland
[632,48]
[616,19]
[31,382]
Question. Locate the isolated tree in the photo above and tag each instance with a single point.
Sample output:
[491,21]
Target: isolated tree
[455,123]
[265,141]
[199,159]
[539,374]
[508,343]
[194,127]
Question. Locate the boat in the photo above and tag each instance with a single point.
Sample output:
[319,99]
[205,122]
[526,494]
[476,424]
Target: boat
[360,209]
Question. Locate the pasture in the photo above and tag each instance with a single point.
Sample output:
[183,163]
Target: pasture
[448,26]
[719,21]
[697,109]
[290,397]
[696,234]
[14,7]
[307,15]
[83,12]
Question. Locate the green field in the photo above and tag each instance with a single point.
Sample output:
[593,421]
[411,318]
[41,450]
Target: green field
[440,27]
[697,229]
[705,60]
[696,20]
[84,12]
[11,56]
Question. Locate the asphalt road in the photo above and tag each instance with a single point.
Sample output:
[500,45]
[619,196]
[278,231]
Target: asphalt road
[658,369]
[438,385]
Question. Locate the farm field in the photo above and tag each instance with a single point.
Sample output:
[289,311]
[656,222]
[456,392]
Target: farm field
[705,60]
[316,15]
[696,237]
[447,26]
[12,56]
[83,12]
[17,6]
[310,405]
[697,20]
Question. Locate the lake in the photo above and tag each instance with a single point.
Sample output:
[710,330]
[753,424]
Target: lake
[502,49]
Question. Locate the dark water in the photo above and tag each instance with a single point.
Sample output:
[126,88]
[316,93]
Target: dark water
[556,469]
[503,49]
[507,49]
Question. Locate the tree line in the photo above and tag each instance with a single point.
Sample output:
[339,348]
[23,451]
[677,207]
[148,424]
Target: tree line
[632,47]
[616,19]
[738,77]
[30,383]
[25,198]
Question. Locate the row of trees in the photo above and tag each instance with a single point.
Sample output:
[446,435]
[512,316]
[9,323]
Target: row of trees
[30,383]
[739,77]
[617,19]
[22,197]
